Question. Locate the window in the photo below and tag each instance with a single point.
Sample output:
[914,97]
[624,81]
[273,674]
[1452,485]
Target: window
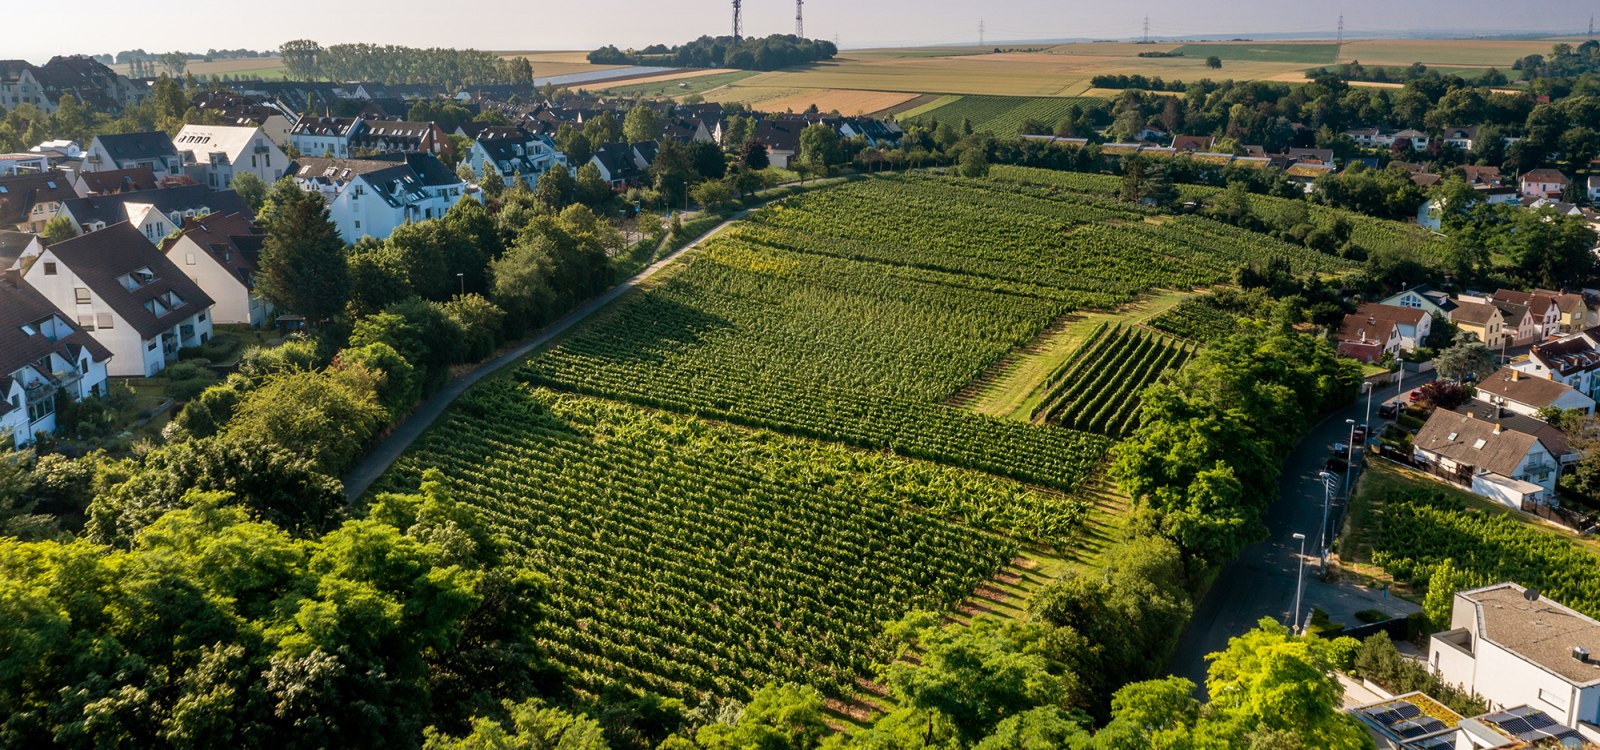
[49,269]
[86,322]
[150,345]
[81,295]
[104,320]
[188,259]
[1552,699]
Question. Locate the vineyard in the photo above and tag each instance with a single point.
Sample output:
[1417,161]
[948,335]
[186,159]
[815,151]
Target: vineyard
[1003,115]
[694,560]
[1420,529]
[1195,320]
[1098,389]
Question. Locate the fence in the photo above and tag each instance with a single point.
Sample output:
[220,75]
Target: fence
[1580,522]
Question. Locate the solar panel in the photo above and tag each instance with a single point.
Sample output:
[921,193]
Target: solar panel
[1541,720]
[1432,743]
[1515,725]
[1408,711]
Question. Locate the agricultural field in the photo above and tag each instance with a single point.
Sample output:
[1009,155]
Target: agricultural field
[1098,390]
[1195,320]
[266,68]
[1003,115]
[696,560]
[1300,53]
[836,100]
[1485,53]
[678,85]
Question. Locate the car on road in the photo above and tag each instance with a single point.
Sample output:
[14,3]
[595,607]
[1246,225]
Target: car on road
[1389,409]
[1415,394]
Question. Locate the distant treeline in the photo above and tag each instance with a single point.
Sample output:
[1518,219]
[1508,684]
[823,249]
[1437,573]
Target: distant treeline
[132,55]
[1150,83]
[306,60]
[1161,54]
[1355,71]
[749,53]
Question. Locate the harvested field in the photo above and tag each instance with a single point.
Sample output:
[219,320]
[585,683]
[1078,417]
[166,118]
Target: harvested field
[842,101]
[265,67]
[1448,52]
[654,81]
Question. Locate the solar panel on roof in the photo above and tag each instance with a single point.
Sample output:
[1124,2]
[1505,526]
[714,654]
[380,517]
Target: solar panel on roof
[1408,710]
[1515,725]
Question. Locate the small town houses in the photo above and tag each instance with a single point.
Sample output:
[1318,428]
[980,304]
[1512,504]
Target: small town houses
[221,252]
[1480,453]
[512,151]
[371,197]
[214,154]
[44,357]
[119,288]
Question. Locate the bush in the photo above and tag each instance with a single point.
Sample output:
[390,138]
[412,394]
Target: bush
[1379,661]
[1369,616]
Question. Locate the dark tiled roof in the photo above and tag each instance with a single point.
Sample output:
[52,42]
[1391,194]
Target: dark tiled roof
[327,126]
[1522,388]
[151,145]
[781,135]
[99,258]
[109,208]
[1546,175]
[21,304]
[1474,313]
[119,180]
[19,193]
[11,246]
[232,240]
[1473,442]
[617,158]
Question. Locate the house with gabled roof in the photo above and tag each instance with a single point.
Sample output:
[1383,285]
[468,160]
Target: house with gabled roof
[1482,320]
[113,181]
[94,84]
[782,139]
[1573,360]
[29,201]
[1522,327]
[1462,137]
[1192,143]
[222,253]
[384,136]
[325,136]
[1423,297]
[1524,394]
[1543,306]
[15,247]
[1367,338]
[214,154]
[371,197]
[1412,325]
[513,151]
[44,358]
[618,163]
[130,150]
[127,295]
[1486,457]
[1544,183]
[155,213]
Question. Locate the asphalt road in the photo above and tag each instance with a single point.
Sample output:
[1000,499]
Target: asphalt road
[1261,582]
[378,460]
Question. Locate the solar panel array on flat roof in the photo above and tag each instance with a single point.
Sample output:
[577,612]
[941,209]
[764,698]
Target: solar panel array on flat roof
[1446,742]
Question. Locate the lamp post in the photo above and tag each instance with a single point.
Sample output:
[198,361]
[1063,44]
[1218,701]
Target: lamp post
[1299,583]
[1368,386]
[462,278]
[1327,493]
[1349,455]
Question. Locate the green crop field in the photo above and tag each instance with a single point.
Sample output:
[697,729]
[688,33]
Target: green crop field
[1195,320]
[1308,53]
[1002,115]
[1098,390]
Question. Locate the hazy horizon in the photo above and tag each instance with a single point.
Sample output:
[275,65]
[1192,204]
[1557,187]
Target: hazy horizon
[110,26]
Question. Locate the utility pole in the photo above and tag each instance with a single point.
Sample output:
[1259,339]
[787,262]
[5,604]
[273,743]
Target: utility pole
[800,18]
[738,22]
[1299,583]
[1591,25]
[1341,32]
[1146,30]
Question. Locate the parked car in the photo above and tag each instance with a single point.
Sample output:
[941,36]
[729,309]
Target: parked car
[1360,434]
[1389,410]
[1415,394]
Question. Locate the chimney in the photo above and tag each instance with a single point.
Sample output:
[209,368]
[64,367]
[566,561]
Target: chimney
[1497,428]
[1472,415]
[1581,654]
[1516,375]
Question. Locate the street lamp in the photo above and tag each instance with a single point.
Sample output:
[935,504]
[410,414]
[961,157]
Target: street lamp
[1299,584]
[686,196]
[1327,492]
[1349,455]
[1368,386]
[462,278]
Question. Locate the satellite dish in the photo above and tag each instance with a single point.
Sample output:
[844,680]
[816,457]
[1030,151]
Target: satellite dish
[1531,595]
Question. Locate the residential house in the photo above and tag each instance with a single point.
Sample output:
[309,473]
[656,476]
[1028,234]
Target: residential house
[618,164]
[29,201]
[214,154]
[1481,320]
[1483,455]
[1514,647]
[247,111]
[28,163]
[96,86]
[1576,312]
[1526,394]
[1477,176]
[126,294]
[1412,325]
[1432,301]
[644,154]
[1521,326]
[1553,439]
[155,213]
[113,181]
[384,136]
[43,358]
[686,130]
[1573,360]
[129,150]
[1594,188]
[325,136]
[1461,138]
[1311,155]
[1417,721]
[15,247]
[1544,183]
[18,85]
[1193,143]
[1367,338]
[782,139]
[877,133]
[220,253]
[371,197]
[1544,307]
[1417,139]
[515,151]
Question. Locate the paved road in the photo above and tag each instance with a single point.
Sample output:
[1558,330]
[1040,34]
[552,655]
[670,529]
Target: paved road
[1261,583]
[378,460]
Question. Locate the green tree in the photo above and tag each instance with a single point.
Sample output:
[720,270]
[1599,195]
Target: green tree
[58,229]
[779,717]
[642,123]
[311,415]
[1046,728]
[251,189]
[819,148]
[556,189]
[492,183]
[1213,62]
[303,265]
[530,724]
[713,194]
[974,162]
[673,171]
[1467,358]
[591,188]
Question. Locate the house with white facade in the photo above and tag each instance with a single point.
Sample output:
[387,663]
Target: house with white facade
[1525,394]
[29,201]
[156,213]
[88,80]
[44,358]
[1417,721]
[26,163]
[1432,301]
[1544,183]
[1412,325]
[1486,457]
[618,163]
[213,154]
[384,136]
[1514,647]
[325,136]
[1522,327]
[371,197]
[1573,360]
[221,253]
[15,247]
[127,295]
[513,151]
[129,150]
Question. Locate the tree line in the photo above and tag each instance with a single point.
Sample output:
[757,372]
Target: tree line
[746,53]
[307,60]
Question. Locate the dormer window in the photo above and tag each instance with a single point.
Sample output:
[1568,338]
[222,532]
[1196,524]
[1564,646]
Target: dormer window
[139,278]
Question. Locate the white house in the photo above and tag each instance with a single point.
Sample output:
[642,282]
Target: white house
[1543,306]
[1413,325]
[1594,189]
[43,358]
[1432,301]
[27,163]
[213,154]
[617,162]
[1493,461]
[17,246]
[1514,648]
[1367,338]
[371,197]
[29,201]
[130,150]
[1526,394]
[513,151]
[156,213]
[319,136]
[220,253]
[127,295]
[1573,360]
[1544,183]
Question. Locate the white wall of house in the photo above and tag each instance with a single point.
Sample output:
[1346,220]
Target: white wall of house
[234,302]
[98,159]
[359,211]
[320,145]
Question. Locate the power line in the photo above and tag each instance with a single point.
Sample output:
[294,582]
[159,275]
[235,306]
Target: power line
[1341,31]
[800,18]
[738,22]
[1146,29]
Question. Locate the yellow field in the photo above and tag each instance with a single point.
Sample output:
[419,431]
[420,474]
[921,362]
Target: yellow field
[836,100]
[1465,53]
[536,56]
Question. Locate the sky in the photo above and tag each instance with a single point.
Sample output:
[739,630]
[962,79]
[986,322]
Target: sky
[107,26]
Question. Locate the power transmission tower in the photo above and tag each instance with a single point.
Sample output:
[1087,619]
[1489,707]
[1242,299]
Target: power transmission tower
[1341,31]
[738,22]
[800,18]
[980,32]
[1591,25]
[1146,30]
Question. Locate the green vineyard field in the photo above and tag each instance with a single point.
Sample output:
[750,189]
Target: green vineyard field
[1098,389]
[1002,115]
[1197,321]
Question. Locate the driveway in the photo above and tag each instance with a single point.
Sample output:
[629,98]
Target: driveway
[381,457]
[1261,582]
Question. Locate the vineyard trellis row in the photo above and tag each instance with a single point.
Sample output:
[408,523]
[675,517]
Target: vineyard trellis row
[1098,389]
[1197,321]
